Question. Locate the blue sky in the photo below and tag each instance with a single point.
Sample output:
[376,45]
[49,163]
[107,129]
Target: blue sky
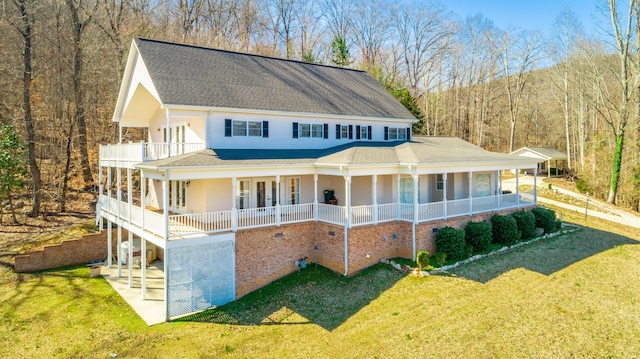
[528,14]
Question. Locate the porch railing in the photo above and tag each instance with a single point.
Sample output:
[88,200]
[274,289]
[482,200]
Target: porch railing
[136,152]
[211,222]
[332,214]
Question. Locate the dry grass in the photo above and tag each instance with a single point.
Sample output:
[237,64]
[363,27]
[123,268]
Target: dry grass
[568,296]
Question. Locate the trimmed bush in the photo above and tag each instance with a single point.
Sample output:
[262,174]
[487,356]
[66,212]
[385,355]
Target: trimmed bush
[451,241]
[545,219]
[526,222]
[504,229]
[478,235]
[441,258]
[422,259]
[558,224]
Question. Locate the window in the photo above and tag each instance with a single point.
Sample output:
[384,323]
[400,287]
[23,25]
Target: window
[308,130]
[439,182]
[293,190]
[364,133]
[406,190]
[344,131]
[396,133]
[242,194]
[247,128]
[483,185]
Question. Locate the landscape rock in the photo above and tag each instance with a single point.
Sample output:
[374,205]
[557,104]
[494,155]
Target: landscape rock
[384,260]
[539,231]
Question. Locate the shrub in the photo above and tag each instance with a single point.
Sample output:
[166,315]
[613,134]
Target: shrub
[441,257]
[422,259]
[504,229]
[478,235]
[526,222]
[451,241]
[545,219]
[558,224]
[468,251]
[582,185]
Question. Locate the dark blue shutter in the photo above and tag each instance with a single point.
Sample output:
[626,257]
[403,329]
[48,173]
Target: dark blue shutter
[408,133]
[357,132]
[227,128]
[351,132]
[295,130]
[337,132]
[265,129]
[386,133]
[370,137]
[326,131]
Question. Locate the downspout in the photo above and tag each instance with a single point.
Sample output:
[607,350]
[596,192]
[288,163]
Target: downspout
[347,224]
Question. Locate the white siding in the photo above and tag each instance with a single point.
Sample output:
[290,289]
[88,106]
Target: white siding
[360,190]
[140,76]
[219,195]
[281,132]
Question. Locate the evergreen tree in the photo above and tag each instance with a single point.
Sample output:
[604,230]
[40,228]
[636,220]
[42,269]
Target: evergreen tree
[13,167]
[340,52]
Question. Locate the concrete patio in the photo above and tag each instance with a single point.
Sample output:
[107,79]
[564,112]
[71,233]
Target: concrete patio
[152,309]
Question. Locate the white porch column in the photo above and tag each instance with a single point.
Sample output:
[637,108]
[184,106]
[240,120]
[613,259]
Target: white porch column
[130,259]
[398,215]
[109,226]
[99,203]
[168,144]
[535,186]
[165,207]
[143,267]
[444,194]
[315,197]
[415,213]
[129,192]
[278,201]
[470,177]
[517,189]
[167,273]
[234,209]
[374,197]
[347,187]
[143,199]
[119,195]
[498,188]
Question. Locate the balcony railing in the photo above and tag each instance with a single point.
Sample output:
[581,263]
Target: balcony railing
[130,153]
[212,222]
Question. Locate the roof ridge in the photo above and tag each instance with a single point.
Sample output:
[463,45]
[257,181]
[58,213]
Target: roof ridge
[247,54]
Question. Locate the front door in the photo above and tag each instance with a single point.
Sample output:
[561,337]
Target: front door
[265,194]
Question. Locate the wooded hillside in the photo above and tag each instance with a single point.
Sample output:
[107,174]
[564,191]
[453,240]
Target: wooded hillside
[61,63]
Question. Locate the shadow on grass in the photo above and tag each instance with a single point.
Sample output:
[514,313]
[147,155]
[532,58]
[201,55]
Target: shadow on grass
[313,296]
[546,256]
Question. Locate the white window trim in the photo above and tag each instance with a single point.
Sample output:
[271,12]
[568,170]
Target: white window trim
[439,182]
[397,133]
[364,132]
[247,129]
[311,125]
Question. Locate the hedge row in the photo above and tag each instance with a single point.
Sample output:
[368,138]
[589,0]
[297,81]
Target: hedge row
[502,229]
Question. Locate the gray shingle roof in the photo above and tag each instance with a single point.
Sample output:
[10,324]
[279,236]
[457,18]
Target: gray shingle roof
[422,150]
[198,76]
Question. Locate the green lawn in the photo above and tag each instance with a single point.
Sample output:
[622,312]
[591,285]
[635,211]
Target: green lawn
[569,296]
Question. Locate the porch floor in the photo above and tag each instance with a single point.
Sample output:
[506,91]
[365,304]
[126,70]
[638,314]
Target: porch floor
[152,309]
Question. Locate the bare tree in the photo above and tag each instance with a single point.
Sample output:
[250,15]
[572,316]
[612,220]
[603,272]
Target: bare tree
[371,26]
[518,54]
[26,10]
[567,30]
[81,17]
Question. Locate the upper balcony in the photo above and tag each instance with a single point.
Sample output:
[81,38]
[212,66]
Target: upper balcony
[126,155]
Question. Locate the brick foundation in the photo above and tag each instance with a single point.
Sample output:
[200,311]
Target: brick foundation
[266,254]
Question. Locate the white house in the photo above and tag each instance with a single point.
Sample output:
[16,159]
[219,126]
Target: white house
[252,163]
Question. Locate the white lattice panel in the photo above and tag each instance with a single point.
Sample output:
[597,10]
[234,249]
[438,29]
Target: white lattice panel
[200,277]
